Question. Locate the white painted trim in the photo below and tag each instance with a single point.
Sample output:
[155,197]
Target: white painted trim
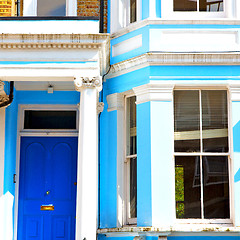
[127,220]
[71,8]
[182,59]
[2,149]
[20,133]
[234,92]
[154,92]
[180,229]
[121,203]
[160,21]
[127,45]
[120,14]
[115,102]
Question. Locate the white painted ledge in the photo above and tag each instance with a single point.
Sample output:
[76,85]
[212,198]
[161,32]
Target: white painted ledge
[159,21]
[49,27]
[180,229]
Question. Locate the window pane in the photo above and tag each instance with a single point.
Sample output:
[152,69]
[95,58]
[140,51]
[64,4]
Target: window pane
[131,126]
[216,187]
[50,119]
[133,188]
[187,187]
[51,8]
[186,121]
[211,5]
[185,5]
[215,121]
[133,12]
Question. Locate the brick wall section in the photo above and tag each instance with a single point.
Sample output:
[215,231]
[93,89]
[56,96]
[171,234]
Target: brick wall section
[91,8]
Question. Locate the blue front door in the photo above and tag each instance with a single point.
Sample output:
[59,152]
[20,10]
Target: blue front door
[47,188]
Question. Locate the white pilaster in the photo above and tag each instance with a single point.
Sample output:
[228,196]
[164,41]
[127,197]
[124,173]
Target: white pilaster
[234,135]
[116,103]
[87,178]
[152,9]
[156,133]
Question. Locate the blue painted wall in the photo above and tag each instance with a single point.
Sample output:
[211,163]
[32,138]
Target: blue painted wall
[26,97]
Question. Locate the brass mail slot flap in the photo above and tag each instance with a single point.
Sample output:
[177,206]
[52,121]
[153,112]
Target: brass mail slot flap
[47,208]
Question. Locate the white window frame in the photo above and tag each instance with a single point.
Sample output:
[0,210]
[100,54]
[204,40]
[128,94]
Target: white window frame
[128,220]
[168,13]
[229,154]
[120,13]
[30,8]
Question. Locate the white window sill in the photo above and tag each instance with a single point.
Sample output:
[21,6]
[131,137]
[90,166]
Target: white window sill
[180,229]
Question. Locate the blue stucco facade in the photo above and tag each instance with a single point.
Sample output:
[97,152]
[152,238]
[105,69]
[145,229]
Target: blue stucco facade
[149,59]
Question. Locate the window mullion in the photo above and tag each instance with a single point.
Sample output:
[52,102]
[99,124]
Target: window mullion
[198,5]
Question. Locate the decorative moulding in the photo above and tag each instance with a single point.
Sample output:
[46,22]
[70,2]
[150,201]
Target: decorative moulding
[88,82]
[100,107]
[19,41]
[154,92]
[159,58]
[234,92]
[115,101]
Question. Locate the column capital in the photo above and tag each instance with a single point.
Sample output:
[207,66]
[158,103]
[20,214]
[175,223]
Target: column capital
[3,96]
[154,92]
[88,82]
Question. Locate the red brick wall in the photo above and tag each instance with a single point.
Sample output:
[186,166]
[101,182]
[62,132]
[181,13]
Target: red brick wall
[91,8]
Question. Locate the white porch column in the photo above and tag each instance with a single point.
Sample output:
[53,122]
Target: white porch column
[87,177]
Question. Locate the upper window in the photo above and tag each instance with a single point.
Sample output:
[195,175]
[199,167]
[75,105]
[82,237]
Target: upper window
[197,9]
[198,5]
[45,119]
[123,13]
[51,8]
[131,161]
[201,154]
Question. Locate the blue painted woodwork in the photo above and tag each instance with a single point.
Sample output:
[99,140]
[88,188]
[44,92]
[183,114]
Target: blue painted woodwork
[47,164]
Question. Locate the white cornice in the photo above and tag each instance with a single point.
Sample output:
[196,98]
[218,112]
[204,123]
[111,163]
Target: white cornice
[19,41]
[160,58]
[154,92]
[136,25]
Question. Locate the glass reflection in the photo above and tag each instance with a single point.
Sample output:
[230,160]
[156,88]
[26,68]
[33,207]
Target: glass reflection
[51,8]
[216,187]
[133,188]
[211,5]
[133,11]
[187,187]
[131,126]
[185,5]
[186,121]
[214,121]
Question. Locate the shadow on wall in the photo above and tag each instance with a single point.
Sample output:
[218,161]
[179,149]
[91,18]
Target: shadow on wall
[236,147]
[6,216]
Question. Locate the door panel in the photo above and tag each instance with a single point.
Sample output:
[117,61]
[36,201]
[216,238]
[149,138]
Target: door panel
[48,173]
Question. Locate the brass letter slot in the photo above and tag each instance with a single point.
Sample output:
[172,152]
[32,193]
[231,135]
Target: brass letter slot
[47,207]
